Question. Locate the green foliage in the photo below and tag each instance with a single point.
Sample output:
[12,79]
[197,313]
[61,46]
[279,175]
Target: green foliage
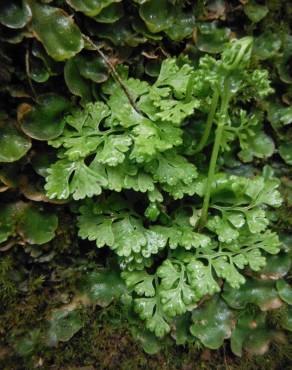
[167,17]
[144,170]
[285,291]
[261,293]
[255,12]
[29,223]
[44,121]
[56,30]
[210,38]
[63,325]
[212,323]
[101,287]
[91,8]
[14,145]
[14,14]
[251,334]
[120,137]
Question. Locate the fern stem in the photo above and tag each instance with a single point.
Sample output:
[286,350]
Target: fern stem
[215,153]
[27,70]
[209,123]
[211,174]
[114,73]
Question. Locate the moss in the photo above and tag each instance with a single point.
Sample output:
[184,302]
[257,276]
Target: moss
[105,343]
[8,288]
[31,290]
